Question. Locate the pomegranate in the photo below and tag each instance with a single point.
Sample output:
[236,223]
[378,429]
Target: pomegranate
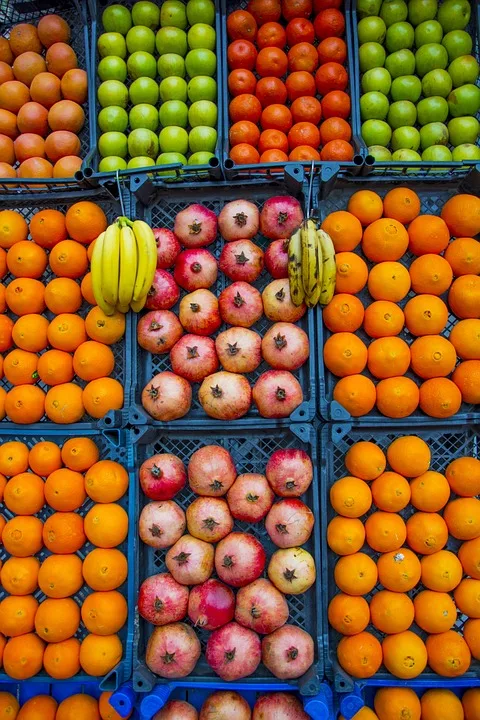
[225,705]
[239,350]
[289,523]
[292,570]
[250,497]
[289,472]
[277,393]
[211,604]
[172,650]
[158,331]
[241,260]
[167,396]
[161,524]
[168,247]
[276,259]
[196,226]
[190,560]
[176,710]
[194,357]
[195,268]
[288,652]
[211,471]
[281,216]
[162,476]
[239,559]
[233,651]
[285,346]
[261,607]
[209,519]
[225,395]
[279,705]
[199,313]
[240,304]
[161,600]
[278,305]
[164,292]
[238,219]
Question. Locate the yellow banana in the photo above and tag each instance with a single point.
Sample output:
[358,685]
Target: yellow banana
[329,274]
[111,263]
[128,267]
[96,269]
[147,259]
[311,263]
[295,268]
[137,305]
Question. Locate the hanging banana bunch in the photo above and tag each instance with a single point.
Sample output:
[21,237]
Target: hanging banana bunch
[311,265]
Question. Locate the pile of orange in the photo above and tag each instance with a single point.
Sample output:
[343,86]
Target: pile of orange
[421,314]
[287,76]
[395,518]
[44,339]
[45,707]
[64,500]
[41,97]
[403,703]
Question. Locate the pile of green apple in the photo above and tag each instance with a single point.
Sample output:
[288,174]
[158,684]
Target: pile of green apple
[419,96]
[157,90]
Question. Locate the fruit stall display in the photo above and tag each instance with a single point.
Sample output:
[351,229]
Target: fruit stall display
[156,84]
[44,114]
[418,76]
[400,337]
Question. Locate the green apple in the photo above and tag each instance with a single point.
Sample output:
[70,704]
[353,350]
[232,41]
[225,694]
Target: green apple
[467,151]
[454,14]
[201,11]
[112,67]
[173,88]
[368,7]
[143,116]
[376,79]
[380,153]
[430,57]
[463,130]
[405,138]
[111,164]
[437,82]
[143,90]
[201,62]
[140,162]
[435,133]
[371,29]
[142,38]
[429,31]
[457,43]
[376,132]
[112,92]
[202,112]
[141,64]
[406,87]
[142,142]
[393,11]
[371,55]
[116,18]
[200,158]
[463,70]
[113,118]
[400,36]
[405,155]
[112,143]
[111,43]
[171,64]
[174,139]
[202,139]
[202,87]
[201,36]
[171,158]
[421,10]
[401,62]
[171,40]
[464,100]
[173,112]
[146,13]
[173,13]
[437,153]
[402,112]
[432,109]
[374,106]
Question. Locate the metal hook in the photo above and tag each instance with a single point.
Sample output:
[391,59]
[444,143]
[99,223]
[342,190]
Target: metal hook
[310,189]
[120,196]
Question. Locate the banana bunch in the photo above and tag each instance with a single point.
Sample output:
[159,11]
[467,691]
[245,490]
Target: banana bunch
[123,264]
[312,269]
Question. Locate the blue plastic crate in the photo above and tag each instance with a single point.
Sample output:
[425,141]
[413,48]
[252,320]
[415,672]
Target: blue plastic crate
[334,195]
[446,442]
[161,212]
[250,452]
[113,445]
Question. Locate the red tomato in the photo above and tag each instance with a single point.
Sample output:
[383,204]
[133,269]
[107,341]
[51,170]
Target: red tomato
[335,128]
[276,117]
[304,153]
[271,34]
[244,154]
[244,131]
[272,156]
[273,140]
[336,104]
[241,54]
[303,56]
[337,150]
[271,61]
[303,133]
[332,49]
[245,107]
[329,23]
[300,30]
[331,76]
[241,25]
[306,109]
[271,90]
[300,83]
[296,8]
[241,81]
[265,10]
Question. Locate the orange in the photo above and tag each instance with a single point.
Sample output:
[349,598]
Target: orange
[345,536]
[106,481]
[471,703]
[469,556]
[57,619]
[63,295]
[9,706]
[8,127]
[68,259]
[47,228]
[467,378]
[404,655]
[471,634]
[13,95]
[385,239]
[390,492]
[385,531]
[74,85]
[464,297]
[3,482]
[44,458]
[463,518]
[86,288]
[60,576]
[64,490]
[106,525]
[426,315]
[63,403]
[13,458]
[441,571]
[66,332]
[103,328]
[440,398]
[365,460]
[426,532]
[391,612]
[366,205]
[448,654]
[63,533]
[99,654]
[6,54]
[432,356]
[46,89]
[3,261]
[397,397]
[356,393]
[25,259]
[430,274]
[352,273]
[66,115]
[348,615]
[24,494]
[344,313]
[356,574]
[19,576]
[435,612]
[104,613]
[20,367]
[67,166]
[102,395]
[39,707]
[344,354]
[3,642]
[467,597]
[60,144]
[17,614]
[399,570]
[106,710]
[401,204]
[25,404]
[22,536]
[23,656]
[80,454]
[93,360]
[30,332]
[105,569]
[465,337]
[463,254]
[383,319]
[55,367]
[23,38]
[6,328]
[350,497]
[62,659]
[360,655]
[25,296]
[397,703]
[428,234]
[344,229]
[462,215]
[430,491]
[388,357]
[439,702]
[389,281]
[78,706]
[85,221]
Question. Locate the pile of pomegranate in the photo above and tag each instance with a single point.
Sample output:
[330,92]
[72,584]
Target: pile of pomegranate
[229,705]
[211,545]
[198,352]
